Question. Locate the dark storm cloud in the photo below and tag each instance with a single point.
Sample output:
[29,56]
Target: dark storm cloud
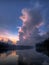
[32,20]
[30,32]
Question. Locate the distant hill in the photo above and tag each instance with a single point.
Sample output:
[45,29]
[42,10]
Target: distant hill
[43,47]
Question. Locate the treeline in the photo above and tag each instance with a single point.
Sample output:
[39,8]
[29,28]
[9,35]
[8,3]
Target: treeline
[43,47]
[6,46]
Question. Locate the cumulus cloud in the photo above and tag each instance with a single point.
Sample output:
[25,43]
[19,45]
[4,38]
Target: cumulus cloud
[29,32]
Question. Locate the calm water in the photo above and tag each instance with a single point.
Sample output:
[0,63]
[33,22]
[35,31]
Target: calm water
[24,57]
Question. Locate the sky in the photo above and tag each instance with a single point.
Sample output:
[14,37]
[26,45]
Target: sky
[11,21]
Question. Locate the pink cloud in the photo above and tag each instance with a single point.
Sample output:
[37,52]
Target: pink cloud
[29,31]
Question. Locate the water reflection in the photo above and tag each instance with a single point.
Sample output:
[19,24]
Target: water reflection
[23,57]
[9,53]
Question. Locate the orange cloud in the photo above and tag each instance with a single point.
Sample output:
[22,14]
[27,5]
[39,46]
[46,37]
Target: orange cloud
[5,36]
[14,39]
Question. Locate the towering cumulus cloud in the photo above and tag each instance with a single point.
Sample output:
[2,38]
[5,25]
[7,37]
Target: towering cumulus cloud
[29,32]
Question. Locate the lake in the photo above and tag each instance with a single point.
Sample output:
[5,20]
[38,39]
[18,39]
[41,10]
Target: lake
[23,57]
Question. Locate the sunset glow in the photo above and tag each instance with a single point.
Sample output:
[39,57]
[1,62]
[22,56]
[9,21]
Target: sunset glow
[13,39]
[24,32]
